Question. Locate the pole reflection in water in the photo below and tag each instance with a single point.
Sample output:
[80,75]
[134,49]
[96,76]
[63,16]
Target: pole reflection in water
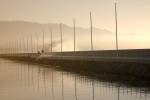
[28,76]
[32,80]
[24,69]
[44,82]
[38,78]
[37,82]
[76,98]
[53,96]
[62,86]
[118,92]
[93,89]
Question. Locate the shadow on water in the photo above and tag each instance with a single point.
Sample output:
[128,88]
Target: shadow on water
[59,84]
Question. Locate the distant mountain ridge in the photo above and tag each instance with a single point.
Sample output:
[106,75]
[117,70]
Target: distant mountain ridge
[13,28]
[10,31]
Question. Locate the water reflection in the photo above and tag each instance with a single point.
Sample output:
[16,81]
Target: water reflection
[75,87]
[35,82]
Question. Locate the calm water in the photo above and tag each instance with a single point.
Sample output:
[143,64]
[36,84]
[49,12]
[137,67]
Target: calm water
[20,81]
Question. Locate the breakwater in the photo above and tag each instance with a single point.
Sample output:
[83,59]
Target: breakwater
[129,63]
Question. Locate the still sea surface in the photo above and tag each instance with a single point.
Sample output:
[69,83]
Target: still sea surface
[23,81]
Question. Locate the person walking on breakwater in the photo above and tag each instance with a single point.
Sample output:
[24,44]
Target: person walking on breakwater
[39,52]
[42,51]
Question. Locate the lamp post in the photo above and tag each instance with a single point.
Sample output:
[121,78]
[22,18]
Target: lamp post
[43,43]
[37,40]
[27,47]
[74,30]
[91,31]
[51,40]
[31,44]
[116,21]
[61,37]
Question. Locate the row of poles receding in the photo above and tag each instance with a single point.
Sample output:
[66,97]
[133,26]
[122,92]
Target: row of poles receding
[18,45]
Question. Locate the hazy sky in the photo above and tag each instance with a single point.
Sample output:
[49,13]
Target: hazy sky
[134,16]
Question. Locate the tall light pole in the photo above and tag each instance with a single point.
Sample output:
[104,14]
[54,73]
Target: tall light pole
[37,40]
[20,47]
[43,43]
[116,21]
[61,37]
[23,44]
[9,47]
[27,46]
[14,47]
[31,44]
[51,40]
[17,45]
[74,30]
[91,31]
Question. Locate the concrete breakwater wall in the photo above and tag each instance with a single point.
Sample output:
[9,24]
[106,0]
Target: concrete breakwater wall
[107,53]
[137,65]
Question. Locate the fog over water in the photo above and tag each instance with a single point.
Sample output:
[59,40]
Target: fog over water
[46,26]
[21,18]
[12,32]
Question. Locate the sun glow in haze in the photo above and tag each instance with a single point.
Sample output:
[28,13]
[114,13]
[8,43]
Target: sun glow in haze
[133,16]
